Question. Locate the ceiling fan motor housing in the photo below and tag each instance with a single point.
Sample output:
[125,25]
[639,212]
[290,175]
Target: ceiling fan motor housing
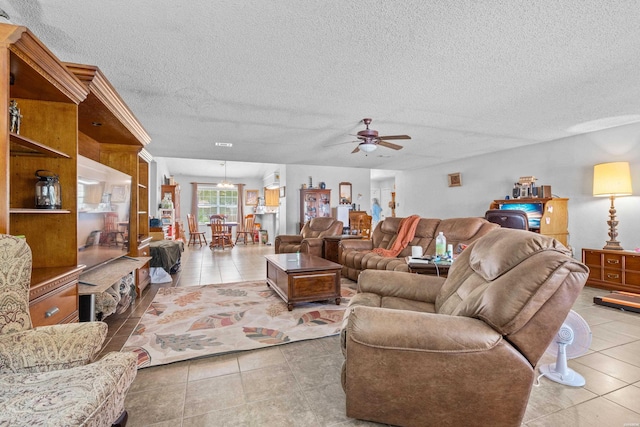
[368,134]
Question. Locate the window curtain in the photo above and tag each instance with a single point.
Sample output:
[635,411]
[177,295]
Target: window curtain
[194,202]
[240,204]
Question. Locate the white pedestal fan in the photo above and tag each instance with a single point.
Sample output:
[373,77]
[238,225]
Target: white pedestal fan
[572,340]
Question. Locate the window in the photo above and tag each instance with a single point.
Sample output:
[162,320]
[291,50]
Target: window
[221,201]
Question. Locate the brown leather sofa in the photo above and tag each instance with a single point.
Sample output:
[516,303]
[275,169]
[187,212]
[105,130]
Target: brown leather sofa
[427,351]
[309,241]
[356,256]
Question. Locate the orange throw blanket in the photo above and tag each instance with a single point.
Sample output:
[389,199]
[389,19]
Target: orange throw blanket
[406,232]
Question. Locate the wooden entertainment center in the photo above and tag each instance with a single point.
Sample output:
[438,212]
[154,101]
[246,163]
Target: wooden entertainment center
[555,217]
[67,110]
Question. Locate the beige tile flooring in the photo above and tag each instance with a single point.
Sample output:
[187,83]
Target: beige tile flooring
[298,384]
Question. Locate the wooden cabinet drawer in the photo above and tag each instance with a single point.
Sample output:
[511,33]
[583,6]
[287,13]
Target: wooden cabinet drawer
[144,251]
[612,276]
[594,273]
[591,258]
[612,261]
[632,262]
[55,307]
[632,278]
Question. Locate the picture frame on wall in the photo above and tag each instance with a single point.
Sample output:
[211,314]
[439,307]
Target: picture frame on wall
[282,191]
[251,197]
[455,179]
[118,193]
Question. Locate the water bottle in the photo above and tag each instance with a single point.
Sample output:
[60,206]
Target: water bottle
[441,245]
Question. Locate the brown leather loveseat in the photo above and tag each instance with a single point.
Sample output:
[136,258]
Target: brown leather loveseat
[310,240]
[427,351]
[356,256]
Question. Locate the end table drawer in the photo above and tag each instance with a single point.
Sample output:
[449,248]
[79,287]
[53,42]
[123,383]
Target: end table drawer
[317,284]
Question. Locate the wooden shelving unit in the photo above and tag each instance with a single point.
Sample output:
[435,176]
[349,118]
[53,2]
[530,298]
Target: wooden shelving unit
[314,203]
[110,134]
[48,96]
[60,105]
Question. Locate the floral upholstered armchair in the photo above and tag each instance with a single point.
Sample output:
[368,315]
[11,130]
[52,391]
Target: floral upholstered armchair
[46,374]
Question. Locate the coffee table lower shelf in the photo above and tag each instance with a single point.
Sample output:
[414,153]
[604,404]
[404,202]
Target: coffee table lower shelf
[304,279]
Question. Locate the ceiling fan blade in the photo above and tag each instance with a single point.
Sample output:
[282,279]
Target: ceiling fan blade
[356,150]
[340,143]
[395,137]
[390,145]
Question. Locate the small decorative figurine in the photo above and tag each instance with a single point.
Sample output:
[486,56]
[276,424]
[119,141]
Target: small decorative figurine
[15,116]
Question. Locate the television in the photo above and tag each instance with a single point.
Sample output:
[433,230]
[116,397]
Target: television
[104,200]
[534,212]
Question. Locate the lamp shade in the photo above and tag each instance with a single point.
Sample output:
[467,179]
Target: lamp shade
[367,147]
[612,179]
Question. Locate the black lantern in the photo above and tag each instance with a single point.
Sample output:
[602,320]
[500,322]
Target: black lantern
[48,194]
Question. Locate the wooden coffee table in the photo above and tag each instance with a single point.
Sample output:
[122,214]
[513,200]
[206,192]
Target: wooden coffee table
[303,278]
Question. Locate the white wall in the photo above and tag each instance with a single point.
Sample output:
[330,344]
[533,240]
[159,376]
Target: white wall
[566,165]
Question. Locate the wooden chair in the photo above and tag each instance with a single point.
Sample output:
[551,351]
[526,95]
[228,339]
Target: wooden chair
[220,234]
[361,223]
[364,226]
[111,229]
[194,233]
[247,229]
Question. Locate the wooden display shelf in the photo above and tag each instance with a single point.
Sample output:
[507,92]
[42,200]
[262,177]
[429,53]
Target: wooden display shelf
[23,146]
[99,279]
[38,211]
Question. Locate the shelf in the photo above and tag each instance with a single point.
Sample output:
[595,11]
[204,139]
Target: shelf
[38,211]
[22,146]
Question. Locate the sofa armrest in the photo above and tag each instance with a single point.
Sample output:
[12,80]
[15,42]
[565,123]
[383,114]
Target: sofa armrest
[418,287]
[429,332]
[286,239]
[312,246]
[51,348]
[356,245]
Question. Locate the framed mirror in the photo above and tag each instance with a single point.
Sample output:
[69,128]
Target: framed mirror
[344,190]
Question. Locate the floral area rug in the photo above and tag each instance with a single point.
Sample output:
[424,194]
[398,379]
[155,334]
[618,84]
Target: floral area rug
[194,321]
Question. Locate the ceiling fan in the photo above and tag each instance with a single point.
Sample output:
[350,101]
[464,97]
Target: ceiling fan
[369,139]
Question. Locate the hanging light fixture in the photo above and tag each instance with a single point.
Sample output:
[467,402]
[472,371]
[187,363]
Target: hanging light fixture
[225,183]
[367,147]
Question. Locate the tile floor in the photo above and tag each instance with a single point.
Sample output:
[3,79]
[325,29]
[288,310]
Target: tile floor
[298,384]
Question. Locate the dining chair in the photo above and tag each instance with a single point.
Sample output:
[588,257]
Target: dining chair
[220,234]
[111,229]
[247,229]
[194,233]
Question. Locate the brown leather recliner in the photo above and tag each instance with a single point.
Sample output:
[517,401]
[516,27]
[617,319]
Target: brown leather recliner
[310,240]
[423,350]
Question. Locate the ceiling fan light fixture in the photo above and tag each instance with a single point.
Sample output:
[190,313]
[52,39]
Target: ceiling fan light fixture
[367,147]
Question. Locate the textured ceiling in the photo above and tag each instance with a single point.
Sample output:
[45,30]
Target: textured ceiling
[289,81]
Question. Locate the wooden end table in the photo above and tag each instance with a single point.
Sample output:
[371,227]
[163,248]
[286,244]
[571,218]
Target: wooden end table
[303,278]
[439,268]
[331,243]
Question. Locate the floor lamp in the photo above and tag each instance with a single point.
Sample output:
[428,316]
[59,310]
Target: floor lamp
[612,180]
